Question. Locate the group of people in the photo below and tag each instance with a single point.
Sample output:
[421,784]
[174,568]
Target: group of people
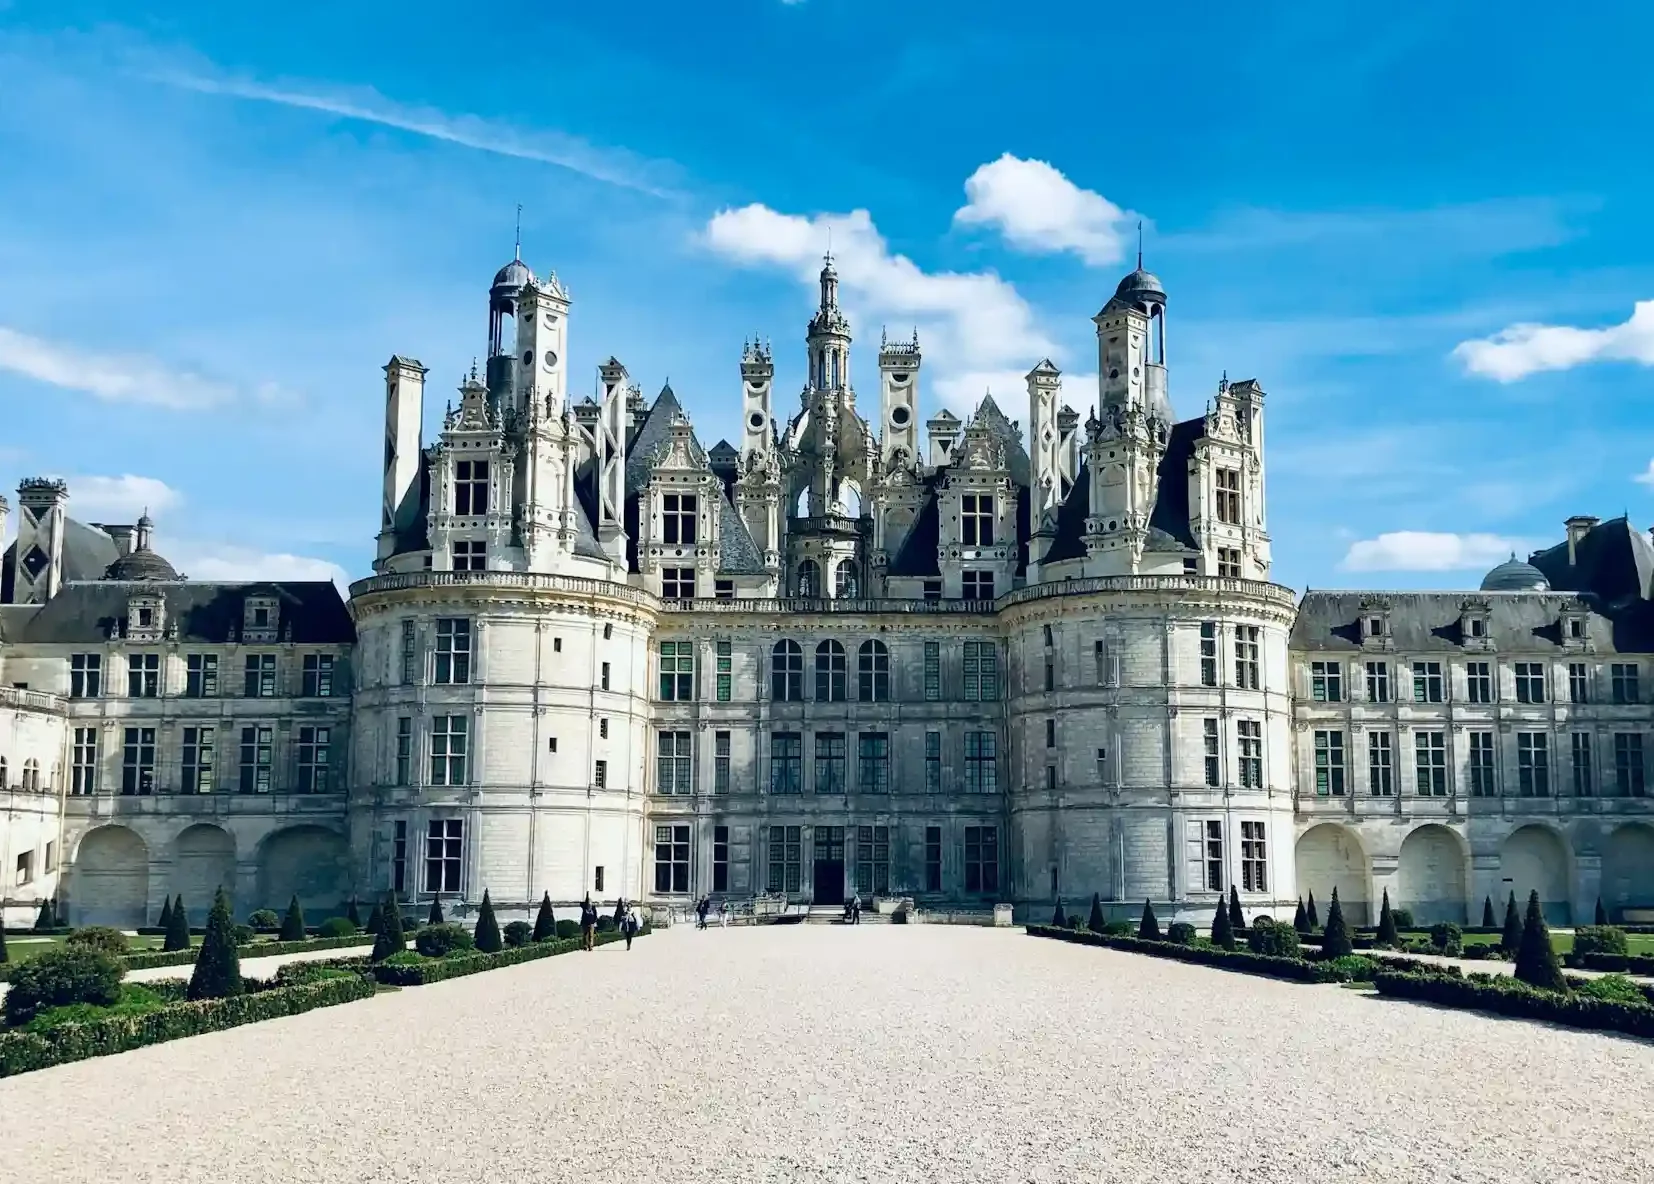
[703,909]
[625,918]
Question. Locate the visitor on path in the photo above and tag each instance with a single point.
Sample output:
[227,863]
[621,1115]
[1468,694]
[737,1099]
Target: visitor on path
[723,914]
[620,912]
[588,924]
[701,910]
[629,925]
[855,909]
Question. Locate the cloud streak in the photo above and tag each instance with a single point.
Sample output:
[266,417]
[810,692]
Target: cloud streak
[1516,352]
[1423,550]
[120,499]
[1036,208]
[113,378]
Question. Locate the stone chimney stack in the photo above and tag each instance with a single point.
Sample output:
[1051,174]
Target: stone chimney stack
[1578,527]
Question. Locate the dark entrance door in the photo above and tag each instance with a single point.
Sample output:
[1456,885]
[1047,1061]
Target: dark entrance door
[829,865]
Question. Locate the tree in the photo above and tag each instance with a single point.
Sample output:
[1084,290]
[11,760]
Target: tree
[1300,919]
[1602,913]
[434,917]
[1097,922]
[1223,933]
[1536,962]
[1487,913]
[164,921]
[4,956]
[292,925]
[1511,940]
[46,919]
[488,929]
[1148,929]
[545,925]
[1237,919]
[353,914]
[376,919]
[1387,935]
[390,940]
[1313,916]
[1059,918]
[1336,943]
[178,927]
[218,965]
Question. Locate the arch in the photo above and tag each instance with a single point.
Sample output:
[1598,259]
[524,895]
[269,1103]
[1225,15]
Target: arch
[831,681]
[1531,859]
[310,862]
[845,584]
[1329,856]
[873,672]
[203,861]
[1430,875]
[31,776]
[110,880]
[787,671]
[809,579]
[1628,868]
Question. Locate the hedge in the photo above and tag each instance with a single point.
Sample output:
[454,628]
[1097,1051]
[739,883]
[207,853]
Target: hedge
[1294,969]
[1623,963]
[21,1052]
[263,949]
[1504,995]
[419,974]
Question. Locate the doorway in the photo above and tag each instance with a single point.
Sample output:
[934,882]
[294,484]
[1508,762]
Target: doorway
[829,865]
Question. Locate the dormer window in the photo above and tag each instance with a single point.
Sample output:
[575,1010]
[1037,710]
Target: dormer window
[470,488]
[678,518]
[1474,617]
[1375,625]
[1478,627]
[260,617]
[976,520]
[471,556]
[144,618]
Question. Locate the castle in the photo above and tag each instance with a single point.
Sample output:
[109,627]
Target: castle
[597,658]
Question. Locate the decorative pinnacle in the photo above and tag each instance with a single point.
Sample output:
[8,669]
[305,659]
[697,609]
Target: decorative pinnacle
[518,253]
[1139,244]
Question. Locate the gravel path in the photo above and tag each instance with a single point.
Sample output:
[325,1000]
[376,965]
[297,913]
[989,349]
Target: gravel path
[822,1053]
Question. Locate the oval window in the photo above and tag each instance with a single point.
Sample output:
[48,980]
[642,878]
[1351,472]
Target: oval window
[756,419]
[551,360]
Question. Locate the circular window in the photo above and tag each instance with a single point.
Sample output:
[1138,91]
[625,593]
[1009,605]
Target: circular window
[899,416]
[756,420]
[528,357]
[899,379]
[1114,374]
[551,319]
[1134,371]
[551,360]
[1113,525]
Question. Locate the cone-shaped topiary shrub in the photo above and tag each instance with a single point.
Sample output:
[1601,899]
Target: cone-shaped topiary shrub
[1511,939]
[1336,943]
[1536,962]
[390,940]
[178,927]
[353,914]
[545,925]
[1223,933]
[1313,916]
[1148,929]
[1387,923]
[1237,919]
[46,918]
[376,918]
[1487,913]
[434,917]
[1097,922]
[1059,918]
[164,921]
[1602,913]
[1300,919]
[218,966]
[292,925]
[488,929]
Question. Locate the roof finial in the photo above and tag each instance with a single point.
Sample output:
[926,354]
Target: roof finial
[829,259]
[1139,244]
[518,253]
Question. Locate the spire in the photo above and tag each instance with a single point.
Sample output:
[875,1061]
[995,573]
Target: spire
[1139,243]
[517,253]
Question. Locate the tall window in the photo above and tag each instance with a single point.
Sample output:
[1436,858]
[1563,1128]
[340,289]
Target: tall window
[259,676]
[1427,682]
[1214,855]
[1254,858]
[981,671]
[873,672]
[845,584]
[672,858]
[1584,781]
[318,676]
[404,750]
[1229,563]
[315,759]
[399,857]
[720,859]
[1628,763]
[1246,657]
[85,676]
[1579,683]
[1329,763]
[720,762]
[198,760]
[725,672]
[1378,682]
[786,858]
[470,488]
[257,759]
[1533,764]
[410,655]
[143,675]
[453,650]
[1214,767]
[873,860]
[677,671]
[981,859]
[678,518]
[83,763]
[976,520]
[1478,682]
[1326,682]
[786,763]
[1249,739]
[1050,733]
[981,770]
[1208,653]
[138,761]
[787,672]
[1107,674]
[829,762]
[444,854]
[1483,782]
[470,555]
[832,682]
[677,583]
[1623,678]
[1228,490]
[933,671]
[977,585]
[873,762]
[933,859]
[600,774]
[201,676]
[1530,682]
[933,762]
[449,748]
[673,766]
[809,579]
[1430,757]
[1381,781]
[603,677]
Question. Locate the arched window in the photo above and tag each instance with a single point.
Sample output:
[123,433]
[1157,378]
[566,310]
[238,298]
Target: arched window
[832,685]
[31,776]
[844,580]
[873,672]
[809,579]
[787,672]
[1047,631]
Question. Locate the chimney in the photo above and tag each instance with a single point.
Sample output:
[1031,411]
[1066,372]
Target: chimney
[122,536]
[1578,527]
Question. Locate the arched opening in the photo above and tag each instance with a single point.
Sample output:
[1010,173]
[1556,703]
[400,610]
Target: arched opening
[845,584]
[309,862]
[1430,876]
[110,880]
[1628,870]
[1329,857]
[787,672]
[203,861]
[831,673]
[873,672]
[809,579]
[1534,859]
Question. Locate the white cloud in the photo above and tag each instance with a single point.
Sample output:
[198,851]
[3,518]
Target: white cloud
[241,564]
[611,165]
[1525,349]
[1646,477]
[120,499]
[1038,209]
[113,378]
[1423,550]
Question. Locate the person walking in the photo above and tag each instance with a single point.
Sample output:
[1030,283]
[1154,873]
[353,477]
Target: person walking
[588,924]
[701,910]
[620,912]
[629,925]
[723,914]
[855,909]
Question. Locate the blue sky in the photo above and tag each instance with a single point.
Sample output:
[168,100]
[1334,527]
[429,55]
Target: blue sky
[1423,231]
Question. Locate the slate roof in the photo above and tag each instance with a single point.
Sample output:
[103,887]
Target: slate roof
[917,556]
[311,611]
[1169,528]
[1429,622]
[87,554]
[1614,562]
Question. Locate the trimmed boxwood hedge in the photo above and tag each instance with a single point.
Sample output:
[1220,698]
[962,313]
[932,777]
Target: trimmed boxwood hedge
[1504,995]
[150,959]
[1623,963]
[21,1052]
[434,970]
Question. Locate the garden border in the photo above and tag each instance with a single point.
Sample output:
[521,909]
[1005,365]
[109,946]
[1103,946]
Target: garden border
[1518,1000]
[435,970]
[150,959]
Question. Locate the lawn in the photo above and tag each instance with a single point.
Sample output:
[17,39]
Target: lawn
[1639,943]
[27,946]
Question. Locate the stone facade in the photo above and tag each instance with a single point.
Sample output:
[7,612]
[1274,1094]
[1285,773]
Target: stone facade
[597,658]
